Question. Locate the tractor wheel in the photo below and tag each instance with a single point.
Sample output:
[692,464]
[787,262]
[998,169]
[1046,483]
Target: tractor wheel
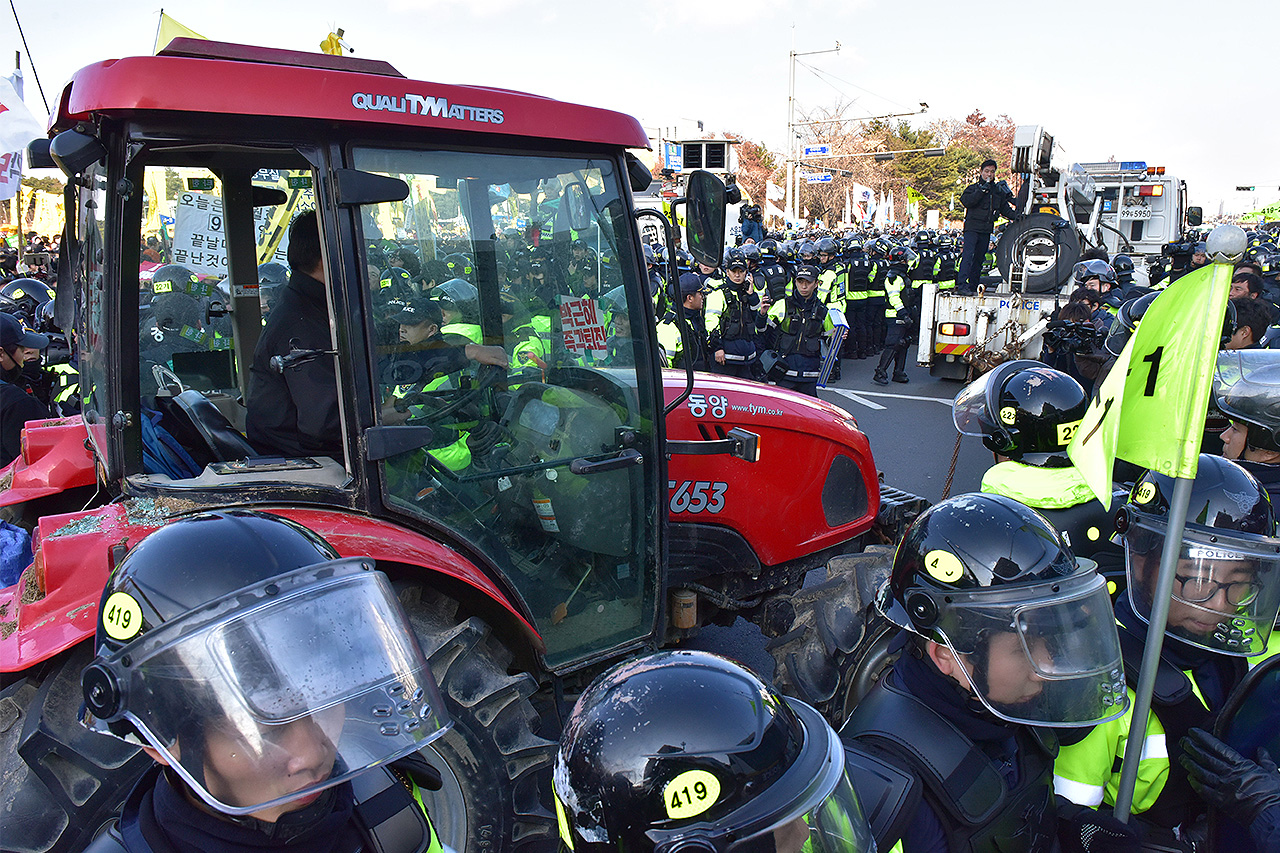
[494,767]
[62,784]
[1047,253]
[838,643]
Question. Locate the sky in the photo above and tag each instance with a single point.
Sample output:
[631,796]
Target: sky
[1170,82]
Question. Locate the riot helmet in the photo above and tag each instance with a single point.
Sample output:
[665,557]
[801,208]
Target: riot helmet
[459,265]
[1246,388]
[1031,626]
[1226,590]
[1122,265]
[751,253]
[828,246]
[638,769]
[902,256]
[1096,268]
[808,252]
[1023,410]
[272,273]
[460,296]
[26,295]
[175,278]
[237,643]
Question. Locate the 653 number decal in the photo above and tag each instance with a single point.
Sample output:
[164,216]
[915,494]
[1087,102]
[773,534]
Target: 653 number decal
[695,496]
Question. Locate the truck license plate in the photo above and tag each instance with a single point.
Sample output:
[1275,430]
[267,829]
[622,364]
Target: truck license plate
[1136,212]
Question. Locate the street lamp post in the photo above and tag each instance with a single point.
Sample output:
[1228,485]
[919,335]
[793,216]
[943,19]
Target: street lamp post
[793,180]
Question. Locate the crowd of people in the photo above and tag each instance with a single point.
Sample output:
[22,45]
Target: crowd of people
[1023,608]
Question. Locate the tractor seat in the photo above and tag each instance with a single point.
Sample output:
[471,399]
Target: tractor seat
[222,441]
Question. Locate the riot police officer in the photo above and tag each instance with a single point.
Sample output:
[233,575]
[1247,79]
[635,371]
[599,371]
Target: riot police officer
[1247,390]
[1027,414]
[734,318]
[1226,595]
[670,338]
[798,324]
[686,751]
[1006,633]
[901,315]
[278,688]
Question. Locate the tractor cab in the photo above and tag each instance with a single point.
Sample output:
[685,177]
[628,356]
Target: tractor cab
[452,221]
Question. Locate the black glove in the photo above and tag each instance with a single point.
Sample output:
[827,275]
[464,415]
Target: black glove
[1086,830]
[1225,779]
[1003,188]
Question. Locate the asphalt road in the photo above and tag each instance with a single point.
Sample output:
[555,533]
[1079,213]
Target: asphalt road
[912,439]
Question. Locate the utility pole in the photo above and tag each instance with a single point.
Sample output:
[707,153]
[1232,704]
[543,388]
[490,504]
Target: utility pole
[793,175]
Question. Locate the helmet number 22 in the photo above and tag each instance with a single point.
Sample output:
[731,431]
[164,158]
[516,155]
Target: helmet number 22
[697,496]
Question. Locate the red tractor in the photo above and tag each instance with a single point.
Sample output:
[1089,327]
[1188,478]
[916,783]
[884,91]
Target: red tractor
[540,522]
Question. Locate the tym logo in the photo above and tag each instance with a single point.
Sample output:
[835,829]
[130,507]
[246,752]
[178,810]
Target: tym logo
[424,105]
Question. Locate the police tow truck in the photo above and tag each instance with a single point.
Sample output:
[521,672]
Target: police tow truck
[1125,207]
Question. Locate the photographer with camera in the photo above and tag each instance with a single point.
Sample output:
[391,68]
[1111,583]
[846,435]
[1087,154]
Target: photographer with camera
[984,202]
[752,221]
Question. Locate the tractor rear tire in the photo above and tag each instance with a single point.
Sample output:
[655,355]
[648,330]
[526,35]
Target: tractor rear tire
[62,785]
[838,645]
[496,770]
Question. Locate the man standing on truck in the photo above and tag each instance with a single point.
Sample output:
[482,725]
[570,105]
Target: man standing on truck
[984,202]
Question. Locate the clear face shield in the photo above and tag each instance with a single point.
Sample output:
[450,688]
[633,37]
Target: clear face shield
[1226,588]
[1044,654]
[278,691]
[1246,387]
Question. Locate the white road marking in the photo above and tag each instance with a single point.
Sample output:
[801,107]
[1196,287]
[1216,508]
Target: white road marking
[855,395]
[845,392]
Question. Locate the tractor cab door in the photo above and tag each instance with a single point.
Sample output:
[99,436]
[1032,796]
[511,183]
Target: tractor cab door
[514,382]
[169,237]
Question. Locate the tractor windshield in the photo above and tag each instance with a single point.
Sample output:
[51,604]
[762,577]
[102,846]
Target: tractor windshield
[507,320]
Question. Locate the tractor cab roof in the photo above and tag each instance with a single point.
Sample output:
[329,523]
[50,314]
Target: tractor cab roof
[208,77]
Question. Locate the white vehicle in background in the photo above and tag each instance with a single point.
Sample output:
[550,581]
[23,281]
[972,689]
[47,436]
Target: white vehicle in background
[1140,209]
[1124,207]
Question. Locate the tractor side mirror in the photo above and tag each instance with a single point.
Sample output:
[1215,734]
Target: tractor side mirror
[704,228]
[38,156]
[638,174]
[268,196]
[575,201]
[73,152]
[354,187]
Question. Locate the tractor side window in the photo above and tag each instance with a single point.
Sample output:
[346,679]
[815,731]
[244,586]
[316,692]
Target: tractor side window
[499,298]
[185,334]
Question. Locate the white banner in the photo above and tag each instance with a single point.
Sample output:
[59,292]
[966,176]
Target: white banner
[10,174]
[17,125]
[199,234]
[773,192]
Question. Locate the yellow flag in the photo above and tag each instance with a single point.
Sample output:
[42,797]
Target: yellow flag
[1150,410]
[332,43]
[170,30]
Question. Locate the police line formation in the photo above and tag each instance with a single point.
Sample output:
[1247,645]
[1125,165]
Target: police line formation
[1001,726]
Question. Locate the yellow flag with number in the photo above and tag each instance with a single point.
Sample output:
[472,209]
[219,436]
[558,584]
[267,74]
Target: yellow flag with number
[169,30]
[1150,410]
